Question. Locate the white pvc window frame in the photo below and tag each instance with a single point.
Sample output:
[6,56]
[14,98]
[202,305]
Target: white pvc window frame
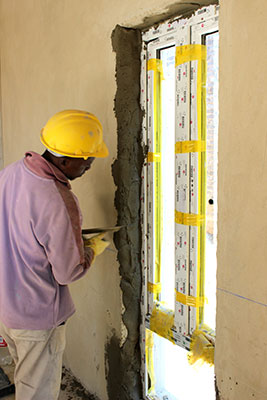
[180,32]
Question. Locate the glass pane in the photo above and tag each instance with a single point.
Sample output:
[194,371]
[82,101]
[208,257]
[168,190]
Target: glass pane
[174,377]
[167,56]
[212,43]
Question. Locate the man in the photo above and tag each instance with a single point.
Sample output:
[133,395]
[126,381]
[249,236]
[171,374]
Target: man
[42,250]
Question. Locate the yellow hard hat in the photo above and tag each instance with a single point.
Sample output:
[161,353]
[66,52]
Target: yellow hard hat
[74,133]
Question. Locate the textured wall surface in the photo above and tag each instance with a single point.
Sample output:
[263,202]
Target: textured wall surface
[127,172]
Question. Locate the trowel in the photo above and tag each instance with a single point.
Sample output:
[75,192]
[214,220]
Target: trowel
[90,231]
[100,230]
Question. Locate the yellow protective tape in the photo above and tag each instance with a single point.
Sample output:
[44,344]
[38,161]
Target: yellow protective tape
[150,360]
[202,346]
[154,287]
[153,157]
[189,300]
[190,146]
[155,64]
[190,52]
[201,123]
[189,219]
[161,321]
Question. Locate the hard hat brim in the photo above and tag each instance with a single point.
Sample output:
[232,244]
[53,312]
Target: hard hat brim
[103,152]
[100,153]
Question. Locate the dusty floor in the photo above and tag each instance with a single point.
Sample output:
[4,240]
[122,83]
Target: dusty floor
[70,388]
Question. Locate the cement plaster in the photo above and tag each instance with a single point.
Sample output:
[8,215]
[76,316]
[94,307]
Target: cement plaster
[123,363]
[183,9]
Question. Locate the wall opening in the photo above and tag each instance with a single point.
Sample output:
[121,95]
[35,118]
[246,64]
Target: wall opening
[126,381]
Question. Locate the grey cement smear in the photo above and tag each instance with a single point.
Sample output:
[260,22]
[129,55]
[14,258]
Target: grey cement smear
[179,9]
[123,363]
[71,388]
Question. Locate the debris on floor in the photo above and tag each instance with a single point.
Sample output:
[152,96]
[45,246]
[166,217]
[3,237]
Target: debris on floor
[72,388]
[5,385]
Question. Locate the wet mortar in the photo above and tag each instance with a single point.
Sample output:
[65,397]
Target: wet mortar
[123,363]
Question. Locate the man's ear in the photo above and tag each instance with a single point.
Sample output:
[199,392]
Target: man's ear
[64,161]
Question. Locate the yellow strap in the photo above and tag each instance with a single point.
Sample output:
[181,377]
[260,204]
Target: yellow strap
[150,359]
[153,157]
[201,124]
[190,52]
[161,322]
[190,146]
[155,64]
[189,219]
[189,300]
[201,348]
[154,287]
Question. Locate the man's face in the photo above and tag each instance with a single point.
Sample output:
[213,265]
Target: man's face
[75,167]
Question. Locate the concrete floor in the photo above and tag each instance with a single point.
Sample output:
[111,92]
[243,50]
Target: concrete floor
[71,389]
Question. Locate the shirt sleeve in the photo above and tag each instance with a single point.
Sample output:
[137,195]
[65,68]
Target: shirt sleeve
[62,238]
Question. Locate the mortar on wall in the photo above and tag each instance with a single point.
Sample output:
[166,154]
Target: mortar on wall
[123,361]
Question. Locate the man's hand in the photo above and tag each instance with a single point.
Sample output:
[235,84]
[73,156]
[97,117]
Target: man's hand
[97,244]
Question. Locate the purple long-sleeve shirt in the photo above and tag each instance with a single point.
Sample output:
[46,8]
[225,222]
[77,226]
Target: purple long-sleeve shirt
[41,247]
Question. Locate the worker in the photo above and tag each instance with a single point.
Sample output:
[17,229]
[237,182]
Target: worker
[42,249]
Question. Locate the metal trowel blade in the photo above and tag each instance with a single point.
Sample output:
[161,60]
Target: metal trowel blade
[100,230]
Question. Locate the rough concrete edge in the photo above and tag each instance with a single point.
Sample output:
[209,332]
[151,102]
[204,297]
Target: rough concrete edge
[123,363]
[174,11]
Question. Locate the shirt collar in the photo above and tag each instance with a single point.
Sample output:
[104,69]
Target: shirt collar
[41,167]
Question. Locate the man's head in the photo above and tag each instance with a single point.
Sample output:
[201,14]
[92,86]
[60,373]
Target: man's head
[73,139]
[71,167]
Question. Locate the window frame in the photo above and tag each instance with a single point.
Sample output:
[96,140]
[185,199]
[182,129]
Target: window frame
[179,32]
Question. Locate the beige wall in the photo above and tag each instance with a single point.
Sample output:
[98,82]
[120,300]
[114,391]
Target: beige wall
[241,347]
[57,55]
